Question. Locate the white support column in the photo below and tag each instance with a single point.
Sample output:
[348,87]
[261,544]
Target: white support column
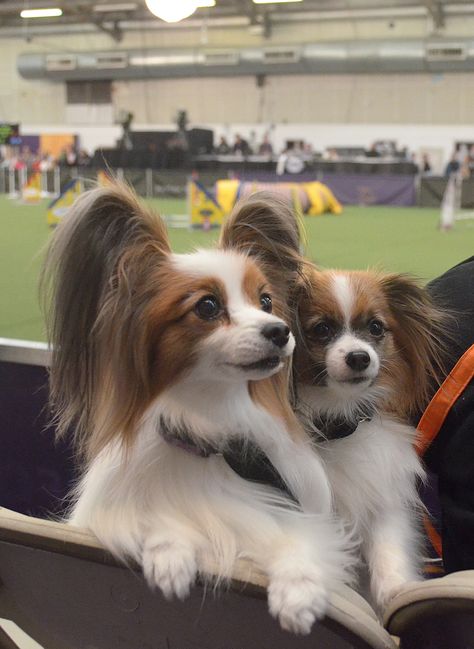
[57,181]
[149,183]
[12,193]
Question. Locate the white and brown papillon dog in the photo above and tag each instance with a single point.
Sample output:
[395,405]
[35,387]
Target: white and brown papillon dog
[160,362]
[366,352]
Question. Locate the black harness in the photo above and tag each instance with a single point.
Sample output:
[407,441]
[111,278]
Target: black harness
[247,459]
[328,428]
[244,457]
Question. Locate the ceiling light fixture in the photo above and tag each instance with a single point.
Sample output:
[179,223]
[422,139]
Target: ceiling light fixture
[116,6]
[172,11]
[51,12]
[271,2]
[206,3]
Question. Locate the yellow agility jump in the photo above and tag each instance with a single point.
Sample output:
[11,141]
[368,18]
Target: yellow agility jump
[209,209]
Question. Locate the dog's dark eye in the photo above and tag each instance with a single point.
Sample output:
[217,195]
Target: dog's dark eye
[208,307]
[266,303]
[322,331]
[376,328]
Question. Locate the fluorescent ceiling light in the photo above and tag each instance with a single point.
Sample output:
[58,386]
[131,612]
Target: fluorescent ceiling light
[271,2]
[116,6]
[206,3]
[172,11]
[51,12]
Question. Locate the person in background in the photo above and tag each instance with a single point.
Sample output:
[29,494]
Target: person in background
[372,152]
[265,147]
[223,147]
[83,158]
[240,145]
[330,154]
[453,166]
[46,162]
[68,156]
[425,164]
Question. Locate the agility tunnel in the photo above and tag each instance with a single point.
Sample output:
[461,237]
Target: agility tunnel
[209,209]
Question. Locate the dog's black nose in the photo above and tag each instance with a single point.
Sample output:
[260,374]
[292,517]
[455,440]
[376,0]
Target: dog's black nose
[358,361]
[278,333]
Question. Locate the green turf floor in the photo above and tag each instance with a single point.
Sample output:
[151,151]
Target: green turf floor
[395,239]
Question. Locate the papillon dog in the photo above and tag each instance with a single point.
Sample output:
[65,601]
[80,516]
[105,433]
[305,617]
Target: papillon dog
[161,361]
[366,352]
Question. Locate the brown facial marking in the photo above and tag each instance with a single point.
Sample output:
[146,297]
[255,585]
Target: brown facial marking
[316,304]
[319,304]
[177,329]
[409,349]
[369,300]
[254,283]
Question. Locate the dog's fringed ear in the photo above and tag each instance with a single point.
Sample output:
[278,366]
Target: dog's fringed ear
[264,226]
[421,326]
[91,283]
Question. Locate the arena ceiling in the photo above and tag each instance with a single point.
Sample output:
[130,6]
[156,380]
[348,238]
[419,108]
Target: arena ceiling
[116,16]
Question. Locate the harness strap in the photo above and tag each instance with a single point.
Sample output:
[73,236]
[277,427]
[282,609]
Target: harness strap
[434,417]
[444,399]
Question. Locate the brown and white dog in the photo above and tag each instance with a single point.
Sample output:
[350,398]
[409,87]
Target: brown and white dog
[160,361]
[367,352]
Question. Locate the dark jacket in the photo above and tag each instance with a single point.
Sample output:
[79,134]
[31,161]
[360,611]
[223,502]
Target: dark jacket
[451,455]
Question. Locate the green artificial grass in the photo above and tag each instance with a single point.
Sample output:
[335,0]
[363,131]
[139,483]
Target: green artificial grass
[394,239]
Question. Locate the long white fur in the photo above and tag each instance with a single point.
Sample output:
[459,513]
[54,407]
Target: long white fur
[171,510]
[374,472]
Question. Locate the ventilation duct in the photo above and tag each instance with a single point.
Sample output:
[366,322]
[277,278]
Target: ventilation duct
[110,61]
[60,62]
[439,52]
[325,58]
[281,55]
[221,58]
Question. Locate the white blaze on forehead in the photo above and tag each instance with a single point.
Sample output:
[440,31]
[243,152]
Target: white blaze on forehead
[344,295]
[226,266]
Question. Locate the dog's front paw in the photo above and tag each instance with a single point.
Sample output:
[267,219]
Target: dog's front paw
[171,566]
[297,602]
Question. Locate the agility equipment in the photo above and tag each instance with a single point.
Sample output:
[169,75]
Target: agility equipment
[31,189]
[58,208]
[451,204]
[209,209]
[104,179]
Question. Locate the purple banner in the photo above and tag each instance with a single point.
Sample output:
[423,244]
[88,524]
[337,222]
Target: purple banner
[376,189]
[32,142]
[351,189]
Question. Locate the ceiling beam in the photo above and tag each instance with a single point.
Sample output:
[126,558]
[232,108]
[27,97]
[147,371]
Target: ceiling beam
[115,31]
[436,11]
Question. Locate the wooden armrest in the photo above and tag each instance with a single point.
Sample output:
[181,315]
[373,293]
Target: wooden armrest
[60,575]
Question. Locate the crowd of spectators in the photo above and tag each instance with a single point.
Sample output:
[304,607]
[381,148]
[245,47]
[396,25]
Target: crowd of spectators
[22,157]
[461,160]
[241,146]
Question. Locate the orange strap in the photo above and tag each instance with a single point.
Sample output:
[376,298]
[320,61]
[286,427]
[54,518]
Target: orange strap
[434,416]
[434,536]
[442,402]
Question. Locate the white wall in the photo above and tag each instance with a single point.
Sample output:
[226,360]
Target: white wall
[417,110]
[352,99]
